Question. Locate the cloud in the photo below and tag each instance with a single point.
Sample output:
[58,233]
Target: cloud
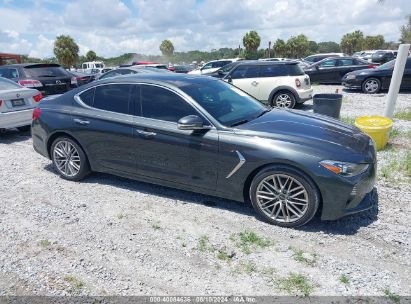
[113,27]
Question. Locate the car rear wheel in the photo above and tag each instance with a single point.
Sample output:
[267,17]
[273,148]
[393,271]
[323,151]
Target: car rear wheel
[284,99]
[371,85]
[284,196]
[69,159]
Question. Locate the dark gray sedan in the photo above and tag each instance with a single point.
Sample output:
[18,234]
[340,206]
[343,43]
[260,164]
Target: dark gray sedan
[201,134]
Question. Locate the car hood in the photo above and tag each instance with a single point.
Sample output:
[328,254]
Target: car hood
[313,131]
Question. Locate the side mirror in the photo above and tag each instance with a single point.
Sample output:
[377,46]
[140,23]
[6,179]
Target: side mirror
[191,122]
[317,67]
[228,79]
[220,72]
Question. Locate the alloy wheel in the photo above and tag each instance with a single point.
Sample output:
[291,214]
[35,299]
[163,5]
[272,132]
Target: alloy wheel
[282,198]
[283,101]
[371,86]
[66,158]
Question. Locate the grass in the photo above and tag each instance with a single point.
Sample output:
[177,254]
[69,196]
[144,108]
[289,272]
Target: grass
[249,240]
[44,243]
[204,244]
[392,296]
[302,257]
[296,284]
[75,283]
[344,279]
[224,256]
[156,226]
[246,267]
[404,115]
[348,120]
[120,216]
[400,163]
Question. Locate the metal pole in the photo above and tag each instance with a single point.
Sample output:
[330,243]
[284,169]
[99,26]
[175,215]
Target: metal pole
[396,79]
[269,49]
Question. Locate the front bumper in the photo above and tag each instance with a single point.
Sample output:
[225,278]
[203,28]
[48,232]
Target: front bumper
[304,95]
[15,119]
[351,83]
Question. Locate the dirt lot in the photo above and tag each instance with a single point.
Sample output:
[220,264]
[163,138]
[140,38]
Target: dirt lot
[113,236]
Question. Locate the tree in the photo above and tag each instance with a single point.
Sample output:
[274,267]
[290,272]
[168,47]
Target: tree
[298,46]
[352,42]
[251,41]
[167,48]
[280,48]
[66,50]
[328,47]
[313,47]
[406,32]
[374,42]
[91,55]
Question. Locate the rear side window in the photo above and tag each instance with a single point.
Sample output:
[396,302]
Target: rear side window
[246,71]
[328,63]
[42,71]
[162,104]
[9,73]
[345,62]
[88,97]
[113,97]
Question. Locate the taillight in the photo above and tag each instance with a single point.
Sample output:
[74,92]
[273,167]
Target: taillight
[38,97]
[36,114]
[371,66]
[1,102]
[297,83]
[30,83]
[73,80]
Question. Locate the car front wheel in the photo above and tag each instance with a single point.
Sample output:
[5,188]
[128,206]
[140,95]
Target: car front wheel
[284,196]
[284,99]
[69,159]
[371,86]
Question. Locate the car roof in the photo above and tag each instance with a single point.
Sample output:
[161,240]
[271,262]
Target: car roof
[23,65]
[263,63]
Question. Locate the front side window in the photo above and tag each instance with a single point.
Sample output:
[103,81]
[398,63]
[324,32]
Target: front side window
[162,104]
[328,63]
[113,97]
[227,104]
[245,71]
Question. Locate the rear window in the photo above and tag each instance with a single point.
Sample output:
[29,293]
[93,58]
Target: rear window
[9,73]
[8,85]
[45,71]
[281,70]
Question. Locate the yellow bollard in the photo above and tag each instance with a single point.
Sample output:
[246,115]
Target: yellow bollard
[377,127]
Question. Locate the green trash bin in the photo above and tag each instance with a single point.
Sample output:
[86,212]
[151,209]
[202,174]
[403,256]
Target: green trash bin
[328,104]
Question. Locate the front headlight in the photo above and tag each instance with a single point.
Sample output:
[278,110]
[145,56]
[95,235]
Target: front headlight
[350,77]
[344,169]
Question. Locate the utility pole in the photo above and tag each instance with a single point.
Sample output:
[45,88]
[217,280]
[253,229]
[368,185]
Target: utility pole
[396,79]
[269,49]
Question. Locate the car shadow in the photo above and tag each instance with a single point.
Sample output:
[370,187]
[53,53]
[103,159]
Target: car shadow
[9,136]
[346,226]
[183,196]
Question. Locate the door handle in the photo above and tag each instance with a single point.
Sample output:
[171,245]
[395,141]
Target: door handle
[254,83]
[146,134]
[81,122]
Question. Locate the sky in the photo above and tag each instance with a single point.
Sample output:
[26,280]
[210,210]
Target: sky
[114,27]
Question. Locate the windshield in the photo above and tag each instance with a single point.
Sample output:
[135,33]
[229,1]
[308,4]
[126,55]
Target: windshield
[8,85]
[388,65]
[227,68]
[227,104]
[99,65]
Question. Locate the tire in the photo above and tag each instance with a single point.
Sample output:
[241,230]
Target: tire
[24,128]
[303,204]
[283,99]
[74,169]
[371,85]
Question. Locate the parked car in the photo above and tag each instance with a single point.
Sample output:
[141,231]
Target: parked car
[89,67]
[182,68]
[48,78]
[201,134]
[83,78]
[16,105]
[277,83]
[374,80]
[332,70]
[318,57]
[159,66]
[212,66]
[383,56]
[121,72]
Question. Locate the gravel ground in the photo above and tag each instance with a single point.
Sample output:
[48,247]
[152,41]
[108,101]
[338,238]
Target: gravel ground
[112,236]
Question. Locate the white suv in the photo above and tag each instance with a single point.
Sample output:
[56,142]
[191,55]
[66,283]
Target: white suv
[213,66]
[277,83]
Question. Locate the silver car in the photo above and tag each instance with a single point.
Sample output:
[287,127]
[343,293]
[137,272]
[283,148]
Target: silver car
[16,105]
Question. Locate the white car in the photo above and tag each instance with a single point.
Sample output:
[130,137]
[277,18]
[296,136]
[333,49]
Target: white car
[277,83]
[213,66]
[16,105]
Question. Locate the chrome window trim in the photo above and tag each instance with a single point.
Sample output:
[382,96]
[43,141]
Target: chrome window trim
[238,166]
[81,103]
